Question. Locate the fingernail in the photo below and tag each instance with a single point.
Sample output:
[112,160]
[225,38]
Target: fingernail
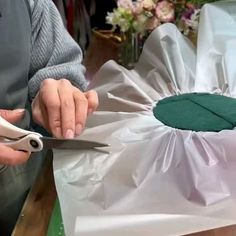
[19,110]
[78,129]
[69,134]
[58,132]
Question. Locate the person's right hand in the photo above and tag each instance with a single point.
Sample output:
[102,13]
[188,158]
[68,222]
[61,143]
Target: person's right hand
[9,156]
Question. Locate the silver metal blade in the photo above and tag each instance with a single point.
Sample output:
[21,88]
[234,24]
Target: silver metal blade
[49,143]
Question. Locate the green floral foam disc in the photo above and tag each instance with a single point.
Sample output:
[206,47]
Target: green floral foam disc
[197,112]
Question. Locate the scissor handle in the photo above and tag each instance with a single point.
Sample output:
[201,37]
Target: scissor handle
[30,142]
[11,131]
[27,140]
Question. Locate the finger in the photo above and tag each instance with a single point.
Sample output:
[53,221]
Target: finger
[81,110]
[45,116]
[92,97]
[39,112]
[65,91]
[12,157]
[12,116]
[51,100]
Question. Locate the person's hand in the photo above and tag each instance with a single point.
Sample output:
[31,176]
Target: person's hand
[62,108]
[9,156]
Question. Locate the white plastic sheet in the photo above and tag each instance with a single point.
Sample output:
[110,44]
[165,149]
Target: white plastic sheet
[156,180]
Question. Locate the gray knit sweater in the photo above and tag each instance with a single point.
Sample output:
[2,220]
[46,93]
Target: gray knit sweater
[54,54]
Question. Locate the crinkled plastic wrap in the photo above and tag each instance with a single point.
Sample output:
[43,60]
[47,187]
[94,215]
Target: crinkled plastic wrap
[156,180]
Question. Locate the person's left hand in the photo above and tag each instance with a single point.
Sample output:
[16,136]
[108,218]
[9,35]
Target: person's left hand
[61,108]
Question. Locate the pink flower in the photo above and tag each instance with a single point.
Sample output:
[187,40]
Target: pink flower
[165,11]
[148,4]
[127,4]
[152,23]
[190,5]
[141,6]
[137,8]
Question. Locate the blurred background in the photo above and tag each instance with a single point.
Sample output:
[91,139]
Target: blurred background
[81,16]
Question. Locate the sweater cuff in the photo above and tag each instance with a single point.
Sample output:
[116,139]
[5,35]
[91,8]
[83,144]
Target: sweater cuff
[74,74]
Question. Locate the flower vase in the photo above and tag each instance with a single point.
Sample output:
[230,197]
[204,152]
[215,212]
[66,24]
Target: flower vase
[130,49]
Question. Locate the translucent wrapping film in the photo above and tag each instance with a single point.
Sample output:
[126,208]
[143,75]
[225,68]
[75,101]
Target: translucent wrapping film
[156,180]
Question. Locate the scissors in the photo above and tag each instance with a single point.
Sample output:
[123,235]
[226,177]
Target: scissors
[20,139]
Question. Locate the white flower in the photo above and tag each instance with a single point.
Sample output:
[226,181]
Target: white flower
[124,25]
[139,24]
[120,17]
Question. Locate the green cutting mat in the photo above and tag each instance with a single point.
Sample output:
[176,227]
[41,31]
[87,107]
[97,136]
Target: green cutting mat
[56,227]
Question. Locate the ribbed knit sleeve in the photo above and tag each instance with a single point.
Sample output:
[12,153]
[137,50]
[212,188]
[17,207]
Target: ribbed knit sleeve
[54,54]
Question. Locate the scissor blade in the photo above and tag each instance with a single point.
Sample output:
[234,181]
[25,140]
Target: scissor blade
[49,143]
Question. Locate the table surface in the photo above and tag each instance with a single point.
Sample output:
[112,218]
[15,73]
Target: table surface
[36,213]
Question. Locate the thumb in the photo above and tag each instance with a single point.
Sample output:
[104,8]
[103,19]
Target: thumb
[12,116]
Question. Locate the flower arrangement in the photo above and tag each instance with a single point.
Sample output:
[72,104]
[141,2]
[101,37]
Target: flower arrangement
[136,19]
[142,16]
